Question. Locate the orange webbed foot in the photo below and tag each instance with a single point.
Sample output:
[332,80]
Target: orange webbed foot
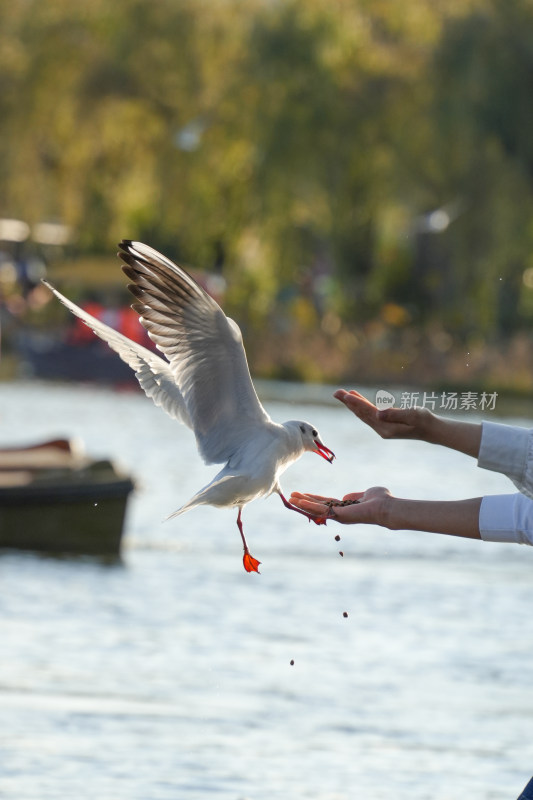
[251,564]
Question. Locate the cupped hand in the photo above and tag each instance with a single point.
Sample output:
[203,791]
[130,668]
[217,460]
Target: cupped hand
[391,423]
[371,506]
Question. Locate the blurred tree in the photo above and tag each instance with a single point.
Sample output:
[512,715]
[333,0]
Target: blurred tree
[389,142]
[474,159]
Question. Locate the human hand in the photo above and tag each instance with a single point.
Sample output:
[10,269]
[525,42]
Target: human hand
[371,506]
[391,423]
[377,506]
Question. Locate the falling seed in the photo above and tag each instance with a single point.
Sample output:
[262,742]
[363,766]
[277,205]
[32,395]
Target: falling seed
[345,614]
[341,553]
[292,662]
[337,538]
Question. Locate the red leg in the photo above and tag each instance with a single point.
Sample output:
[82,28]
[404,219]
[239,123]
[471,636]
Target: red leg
[316,520]
[250,563]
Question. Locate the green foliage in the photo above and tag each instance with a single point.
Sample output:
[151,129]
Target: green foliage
[283,134]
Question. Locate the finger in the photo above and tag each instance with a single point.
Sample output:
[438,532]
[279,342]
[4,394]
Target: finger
[352,397]
[311,507]
[340,394]
[302,499]
[358,401]
[354,400]
[318,497]
[362,408]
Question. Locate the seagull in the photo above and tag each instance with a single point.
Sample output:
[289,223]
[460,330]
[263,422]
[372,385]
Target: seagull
[204,382]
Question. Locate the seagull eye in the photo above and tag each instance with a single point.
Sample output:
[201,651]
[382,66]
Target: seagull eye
[314,433]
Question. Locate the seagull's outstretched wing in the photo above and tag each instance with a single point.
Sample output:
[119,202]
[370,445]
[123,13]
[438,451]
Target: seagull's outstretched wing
[203,346]
[153,372]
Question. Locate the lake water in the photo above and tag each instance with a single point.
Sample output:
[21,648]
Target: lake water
[169,676]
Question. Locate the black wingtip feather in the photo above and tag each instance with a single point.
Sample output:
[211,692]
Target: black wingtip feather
[132,257]
[137,291]
[130,273]
[164,274]
[130,260]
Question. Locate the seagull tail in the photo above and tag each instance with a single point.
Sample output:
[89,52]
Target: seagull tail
[198,500]
[217,493]
[187,507]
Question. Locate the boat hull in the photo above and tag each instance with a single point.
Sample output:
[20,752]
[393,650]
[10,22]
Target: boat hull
[86,519]
[56,500]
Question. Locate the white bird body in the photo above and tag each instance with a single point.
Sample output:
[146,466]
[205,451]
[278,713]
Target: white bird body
[252,472]
[204,382]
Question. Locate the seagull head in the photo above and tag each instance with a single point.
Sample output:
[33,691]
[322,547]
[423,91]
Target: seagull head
[311,441]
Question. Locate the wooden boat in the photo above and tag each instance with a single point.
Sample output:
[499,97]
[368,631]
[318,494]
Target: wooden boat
[55,499]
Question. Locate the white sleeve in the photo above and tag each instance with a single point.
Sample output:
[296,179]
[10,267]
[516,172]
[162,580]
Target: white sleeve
[508,449]
[506,518]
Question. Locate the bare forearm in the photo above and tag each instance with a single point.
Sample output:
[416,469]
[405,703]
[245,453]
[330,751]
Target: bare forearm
[457,435]
[377,506]
[454,518]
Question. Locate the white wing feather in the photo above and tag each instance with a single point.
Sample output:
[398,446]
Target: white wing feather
[153,372]
[204,348]
[205,383]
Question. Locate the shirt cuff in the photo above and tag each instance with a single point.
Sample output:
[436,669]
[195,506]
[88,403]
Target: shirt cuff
[504,449]
[506,518]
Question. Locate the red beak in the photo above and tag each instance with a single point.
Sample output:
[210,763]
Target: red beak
[324,451]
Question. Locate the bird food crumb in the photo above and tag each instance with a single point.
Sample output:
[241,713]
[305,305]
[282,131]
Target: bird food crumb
[344,614]
[292,662]
[341,553]
[336,503]
[337,538]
